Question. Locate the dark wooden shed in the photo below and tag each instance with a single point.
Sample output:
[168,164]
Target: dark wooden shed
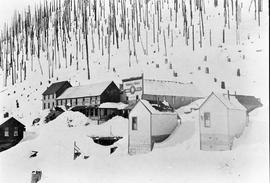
[11,129]
[11,132]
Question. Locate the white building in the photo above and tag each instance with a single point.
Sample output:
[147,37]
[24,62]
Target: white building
[177,94]
[147,126]
[221,120]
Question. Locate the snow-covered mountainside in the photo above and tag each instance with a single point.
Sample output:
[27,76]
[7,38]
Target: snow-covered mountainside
[201,41]
[47,43]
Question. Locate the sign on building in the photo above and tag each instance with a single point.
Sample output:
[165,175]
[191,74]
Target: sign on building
[133,88]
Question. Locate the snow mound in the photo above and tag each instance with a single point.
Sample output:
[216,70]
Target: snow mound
[73,119]
[117,126]
[190,107]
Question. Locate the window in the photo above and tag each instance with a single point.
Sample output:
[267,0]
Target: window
[53,104]
[96,111]
[44,105]
[48,105]
[137,97]
[105,112]
[126,98]
[134,123]
[44,97]
[76,101]
[48,96]
[207,122]
[15,132]
[6,132]
[91,112]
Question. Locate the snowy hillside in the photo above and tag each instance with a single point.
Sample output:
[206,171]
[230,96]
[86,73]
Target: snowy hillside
[161,48]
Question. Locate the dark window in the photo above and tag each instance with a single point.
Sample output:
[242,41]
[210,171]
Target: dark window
[96,112]
[137,97]
[91,112]
[6,132]
[76,101]
[134,123]
[44,97]
[126,98]
[44,105]
[48,96]
[16,133]
[207,122]
[49,106]
[105,112]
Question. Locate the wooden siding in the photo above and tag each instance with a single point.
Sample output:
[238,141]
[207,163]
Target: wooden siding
[110,94]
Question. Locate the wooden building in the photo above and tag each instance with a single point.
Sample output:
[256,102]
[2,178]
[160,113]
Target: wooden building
[52,92]
[87,98]
[147,126]
[11,132]
[110,109]
[249,102]
[175,93]
[221,119]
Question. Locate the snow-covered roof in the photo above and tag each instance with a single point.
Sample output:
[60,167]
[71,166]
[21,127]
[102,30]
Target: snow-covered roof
[170,88]
[152,109]
[231,103]
[112,105]
[85,90]
[10,119]
[54,87]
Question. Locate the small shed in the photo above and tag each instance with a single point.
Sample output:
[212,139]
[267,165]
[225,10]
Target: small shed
[221,119]
[148,126]
[11,132]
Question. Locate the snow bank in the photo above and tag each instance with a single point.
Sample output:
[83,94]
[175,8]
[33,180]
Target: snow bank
[73,119]
[117,126]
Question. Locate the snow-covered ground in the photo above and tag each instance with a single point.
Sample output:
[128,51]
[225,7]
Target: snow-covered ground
[177,159]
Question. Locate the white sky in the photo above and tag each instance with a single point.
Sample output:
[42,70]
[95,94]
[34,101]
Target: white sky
[7,8]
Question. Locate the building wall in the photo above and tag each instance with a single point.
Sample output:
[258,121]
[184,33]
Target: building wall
[11,124]
[215,137]
[111,94]
[93,100]
[215,142]
[140,140]
[237,122]
[163,125]
[51,100]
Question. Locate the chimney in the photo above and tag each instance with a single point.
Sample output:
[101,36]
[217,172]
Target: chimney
[228,92]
